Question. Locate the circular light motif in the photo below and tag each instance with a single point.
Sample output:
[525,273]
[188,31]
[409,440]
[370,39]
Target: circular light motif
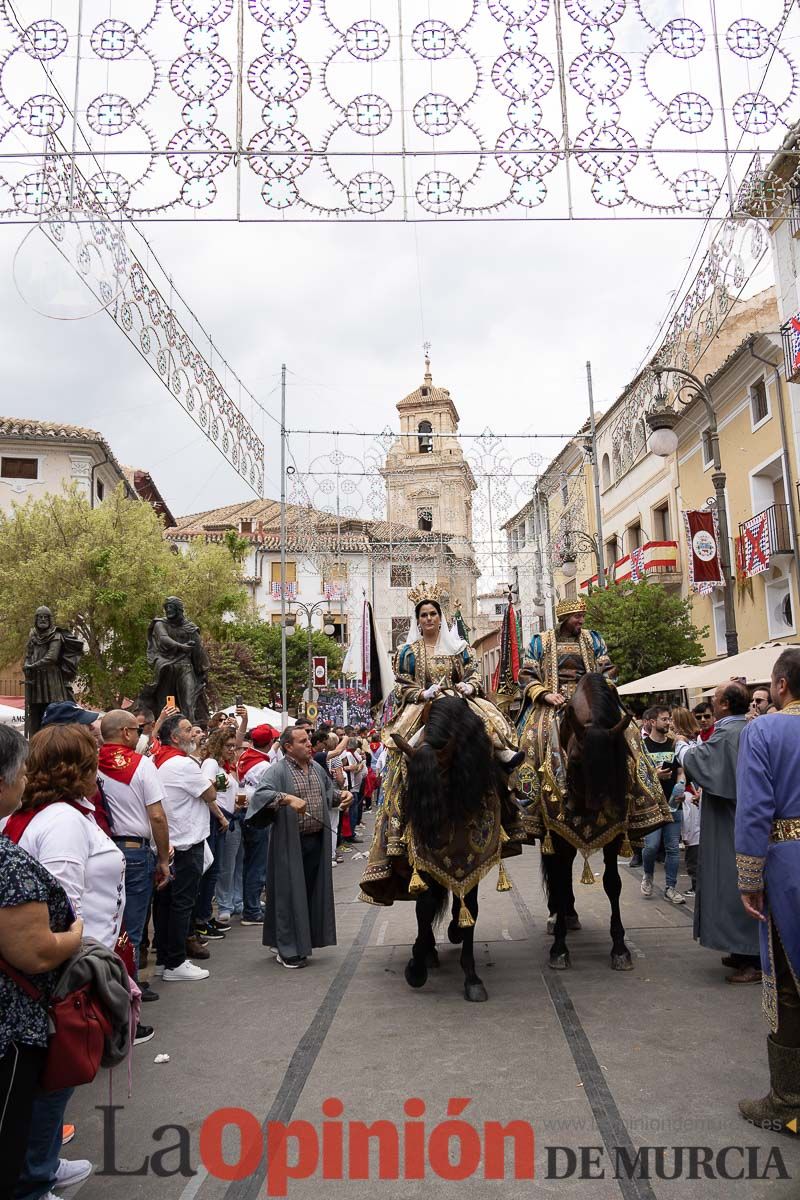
[367,40]
[370,192]
[279,114]
[111,189]
[113,39]
[520,39]
[525,114]
[433,40]
[436,114]
[41,115]
[596,39]
[368,115]
[690,112]
[530,152]
[279,39]
[512,12]
[213,13]
[600,75]
[528,191]
[696,190]
[439,192]
[614,151]
[595,12]
[609,190]
[44,40]
[683,38]
[36,193]
[109,114]
[279,192]
[201,39]
[755,113]
[286,152]
[748,38]
[523,75]
[602,112]
[278,12]
[195,152]
[284,76]
[199,114]
[194,75]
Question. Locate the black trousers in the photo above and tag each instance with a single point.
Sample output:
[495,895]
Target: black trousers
[20,1068]
[788,1032]
[311,846]
[173,906]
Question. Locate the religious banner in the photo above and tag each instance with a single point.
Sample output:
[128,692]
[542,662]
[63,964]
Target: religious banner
[756,547]
[320,671]
[702,537]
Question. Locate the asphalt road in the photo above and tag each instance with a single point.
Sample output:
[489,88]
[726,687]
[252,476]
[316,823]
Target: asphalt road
[599,1064]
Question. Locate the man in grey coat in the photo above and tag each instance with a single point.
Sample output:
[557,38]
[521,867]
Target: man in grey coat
[720,922]
[296,798]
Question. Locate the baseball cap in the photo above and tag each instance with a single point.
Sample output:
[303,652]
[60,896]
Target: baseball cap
[263,735]
[67,712]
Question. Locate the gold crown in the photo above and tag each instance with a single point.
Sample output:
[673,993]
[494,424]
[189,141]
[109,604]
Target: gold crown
[567,608]
[432,592]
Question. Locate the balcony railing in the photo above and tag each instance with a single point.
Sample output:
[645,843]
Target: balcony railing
[762,537]
[790,336]
[654,560]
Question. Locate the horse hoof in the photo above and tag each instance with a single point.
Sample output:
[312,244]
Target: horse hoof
[416,974]
[622,962]
[559,962]
[455,934]
[474,991]
[573,922]
[432,958]
[551,925]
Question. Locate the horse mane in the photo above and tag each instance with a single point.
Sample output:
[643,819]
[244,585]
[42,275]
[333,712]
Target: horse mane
[450,772]
[598,773]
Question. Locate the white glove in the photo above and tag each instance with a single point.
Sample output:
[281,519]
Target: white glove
[466,689]
[431,692]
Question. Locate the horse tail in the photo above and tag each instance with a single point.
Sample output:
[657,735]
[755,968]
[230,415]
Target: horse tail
[548,862]
[424,795]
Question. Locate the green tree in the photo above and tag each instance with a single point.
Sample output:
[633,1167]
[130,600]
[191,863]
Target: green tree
[105,573]
[646,628]
[265,643]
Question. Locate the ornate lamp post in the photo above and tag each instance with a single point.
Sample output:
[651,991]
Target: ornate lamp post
[661,421]
[327,628]
[569,556]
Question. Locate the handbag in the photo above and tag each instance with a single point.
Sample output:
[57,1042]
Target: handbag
[79,1027]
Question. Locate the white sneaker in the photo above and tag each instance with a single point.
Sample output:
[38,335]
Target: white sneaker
[158,970]
[71,1171]
[187,971]
[674,896]
[647,886]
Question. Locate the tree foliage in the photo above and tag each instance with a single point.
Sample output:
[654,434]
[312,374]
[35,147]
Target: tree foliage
[646,628]
[264,645]
[105,572]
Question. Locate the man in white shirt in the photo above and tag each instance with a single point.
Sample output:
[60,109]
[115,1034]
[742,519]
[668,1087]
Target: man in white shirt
[134,797]
[188,797]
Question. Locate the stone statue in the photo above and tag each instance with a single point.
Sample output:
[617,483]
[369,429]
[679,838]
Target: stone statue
[179,662]
[51,663]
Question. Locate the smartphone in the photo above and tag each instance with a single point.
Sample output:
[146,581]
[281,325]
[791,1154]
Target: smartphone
[170,701]
[239,701]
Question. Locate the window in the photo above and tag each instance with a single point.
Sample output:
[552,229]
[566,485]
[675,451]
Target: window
[425,519]
[399,631]
[275,572]
[521,535]
[100,489]
[634,537]
[708,449]
[499,609]
[778,600]
[570,589]
[565,492]
[245,527]
[759,404]
[399,576]
[605,472]
[19,468]
[612,553]
[339,624]
[661,523]
[275,618]
[425,439]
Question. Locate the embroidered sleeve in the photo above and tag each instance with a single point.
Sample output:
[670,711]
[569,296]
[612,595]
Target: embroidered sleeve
[406,688]
[471,675]
[750,869]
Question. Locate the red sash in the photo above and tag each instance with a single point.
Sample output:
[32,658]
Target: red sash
[19,821]
[247,760]
[119,763]
[165,753]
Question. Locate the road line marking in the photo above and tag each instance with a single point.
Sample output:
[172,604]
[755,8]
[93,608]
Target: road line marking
[381,938]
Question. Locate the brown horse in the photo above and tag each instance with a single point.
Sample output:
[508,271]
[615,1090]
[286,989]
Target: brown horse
[596,760]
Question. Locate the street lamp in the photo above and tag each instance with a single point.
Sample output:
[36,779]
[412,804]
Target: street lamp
[661,421]
[328,628]
[569,556]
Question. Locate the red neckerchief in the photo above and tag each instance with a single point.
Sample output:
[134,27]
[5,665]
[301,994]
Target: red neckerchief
[118,762]
[165,753]
[19,821]
[247,760]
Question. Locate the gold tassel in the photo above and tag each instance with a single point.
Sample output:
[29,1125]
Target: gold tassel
[588,873]
[626,849]
[547,844]
[465,918]
[504,837]
[503,882]
[417,884]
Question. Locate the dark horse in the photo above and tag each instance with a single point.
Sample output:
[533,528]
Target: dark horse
[596,755]
[451,777]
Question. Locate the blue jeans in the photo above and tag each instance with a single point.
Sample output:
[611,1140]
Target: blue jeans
[140,865]
[672,835]
[254,870]
[229,880]
[216,844]
[44,1144]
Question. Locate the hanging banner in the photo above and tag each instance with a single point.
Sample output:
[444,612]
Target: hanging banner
[702,537]
[320,671]
[756,545]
